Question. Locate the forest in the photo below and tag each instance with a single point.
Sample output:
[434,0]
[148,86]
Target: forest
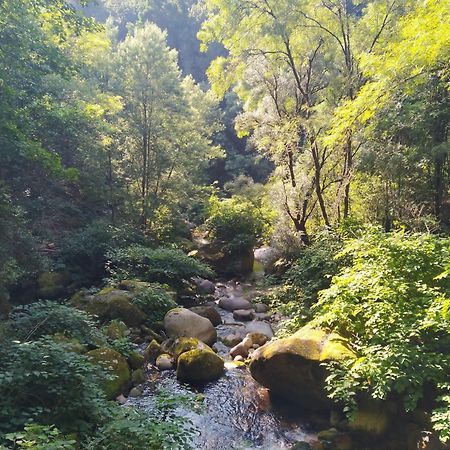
[224,224]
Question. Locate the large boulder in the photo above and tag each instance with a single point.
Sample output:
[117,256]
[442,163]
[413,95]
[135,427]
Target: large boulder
[204,287]
[292,367]
[209,312]
[117,365]
[233,303]
[110,304]
[199,366]
[181,322]
[259,327]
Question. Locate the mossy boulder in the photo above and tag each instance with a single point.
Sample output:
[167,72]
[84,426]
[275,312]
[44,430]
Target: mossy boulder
[199,366]
[117,365]
[52,285]
[181,322]
[138,376]
[117,330]
[136,360]
[72,344]
[372,417]
[152,351]
[184,344]
[110,304]
[292,367]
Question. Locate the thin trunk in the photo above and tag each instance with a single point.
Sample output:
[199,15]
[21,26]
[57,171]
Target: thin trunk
[111,188]
[317,178]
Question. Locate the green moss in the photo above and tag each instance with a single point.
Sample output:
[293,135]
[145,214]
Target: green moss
[138,376]
[117,330]
[136,360]
[185,344]
[117,365]
[74,345]
[199,366]
[152,351]
[51,285]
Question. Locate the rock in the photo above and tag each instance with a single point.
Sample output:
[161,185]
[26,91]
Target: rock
[164,362]
[371,417]
[260,328]
[231,304]
[115,363]
[231,340]
[328,435]
[135,392]
[261,308]
[243,314]
[117,330]
[242,349]
[199,366]
[302,446]
[121,399]
[51,285]
[136,360]
[239,358]
[204,287]
[181,322]
[291,367]
[258,338]
[138,376]
[209,312]
[152,351]
[184,344]
[262,316]
[110,304]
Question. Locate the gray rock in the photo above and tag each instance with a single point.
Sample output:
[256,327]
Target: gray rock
[259,327]
[261,308]
[205,287]
[231,340]
[181,322]
[243,314]
[262,316]
[135,392]
[231,304]
[209,312]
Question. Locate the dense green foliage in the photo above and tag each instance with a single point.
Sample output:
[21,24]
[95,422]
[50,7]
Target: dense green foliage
[235,223]
[161,265]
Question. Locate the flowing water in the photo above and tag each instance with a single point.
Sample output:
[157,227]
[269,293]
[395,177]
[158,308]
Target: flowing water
[237,412]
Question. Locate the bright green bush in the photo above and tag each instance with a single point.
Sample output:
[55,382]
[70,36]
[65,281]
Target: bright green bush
[393,304]
[161,265]
[46,318]
[43,382]
[39,437]
[235,223]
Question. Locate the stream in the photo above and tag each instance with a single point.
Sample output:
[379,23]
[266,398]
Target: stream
[237,412]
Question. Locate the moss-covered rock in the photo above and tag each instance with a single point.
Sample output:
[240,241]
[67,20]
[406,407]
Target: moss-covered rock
[291,367]
[72,344]
[372,417]
[152,351]
[110,304]
[199,366]
[52,285]
[117,365]
[184,344]
[136,360]
[117,330]
[138,376]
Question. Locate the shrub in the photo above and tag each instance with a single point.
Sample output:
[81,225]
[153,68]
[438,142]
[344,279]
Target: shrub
[316,265]
[235,223]
[40,437]
[393,303]
[161,265]
[155,301]
[45,383]
[158,429]
[45,318]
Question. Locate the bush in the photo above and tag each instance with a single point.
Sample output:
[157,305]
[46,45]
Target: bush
[161,265]
[392,301]
[236,224]
[155,301]
[40,437]
[45,383]
[45,318]
[159,429]
[316,265]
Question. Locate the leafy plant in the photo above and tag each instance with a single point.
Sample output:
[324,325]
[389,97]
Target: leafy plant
[44,382]
[393,304]
[162,265]
[40,437]
[235,223]
[45,318]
